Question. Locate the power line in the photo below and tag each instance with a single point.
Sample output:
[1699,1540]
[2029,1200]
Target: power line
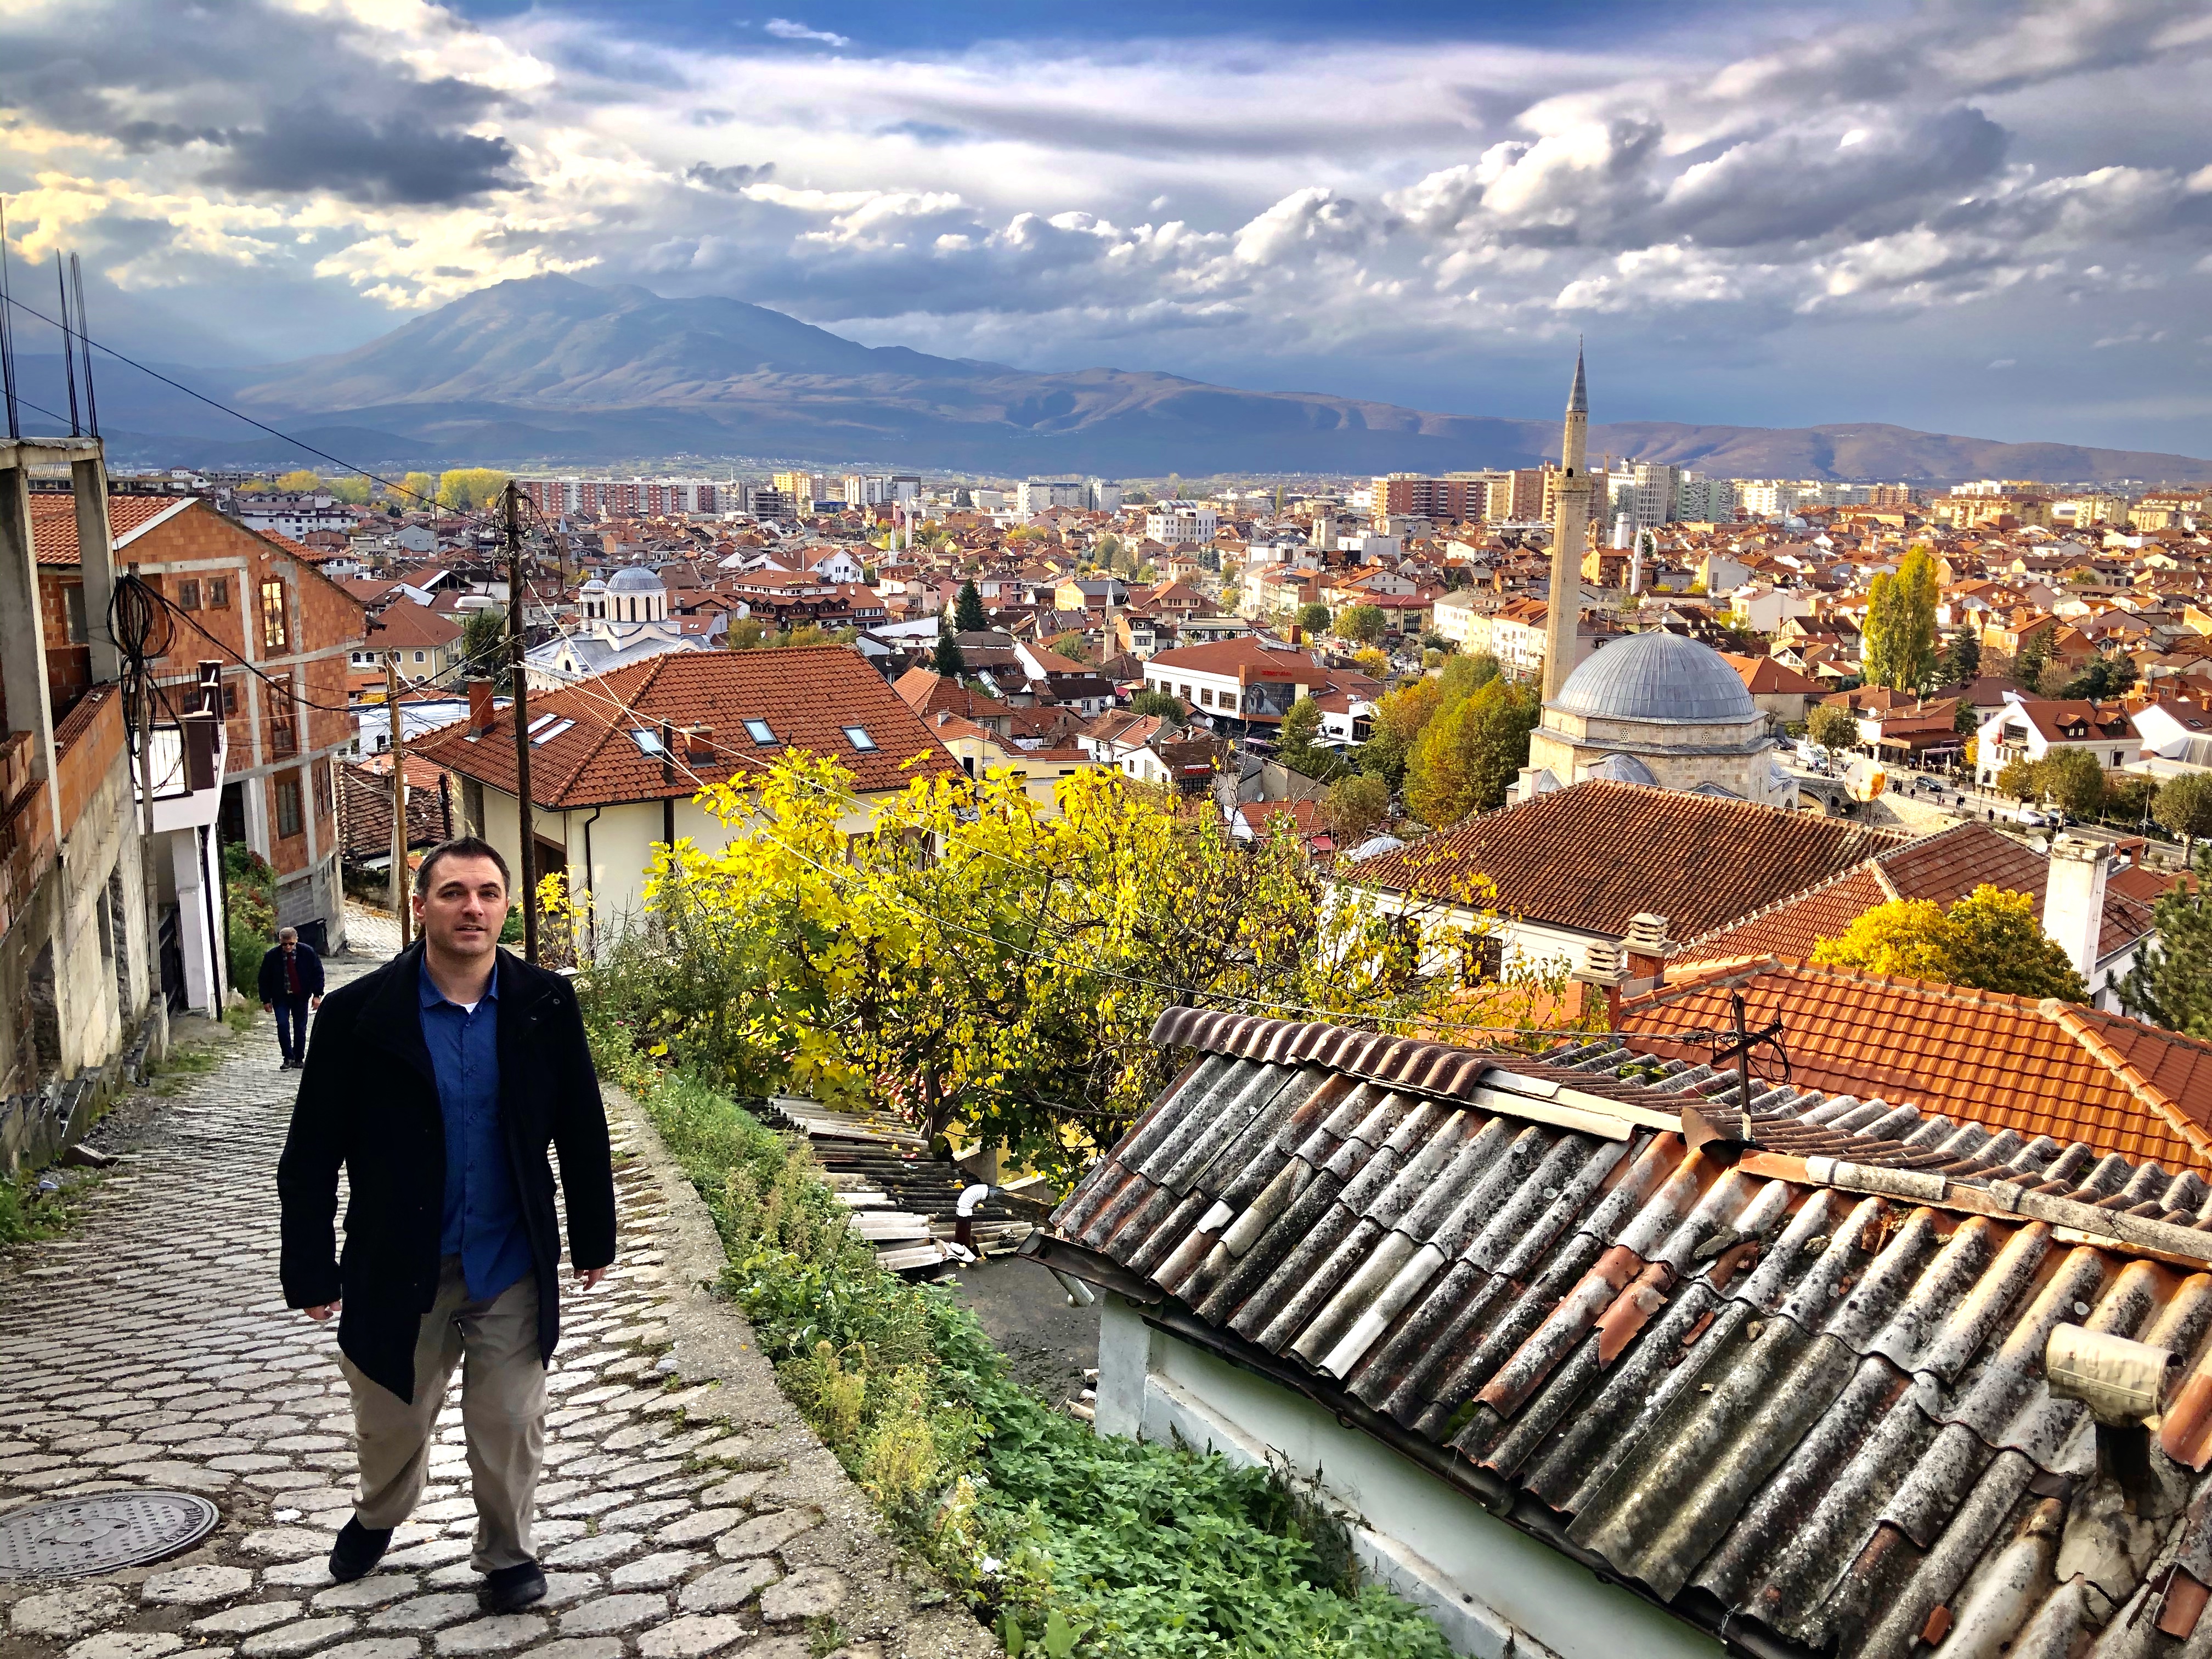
[239,414]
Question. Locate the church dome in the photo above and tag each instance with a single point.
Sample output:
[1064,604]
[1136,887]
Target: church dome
[636,579]
[1656,677]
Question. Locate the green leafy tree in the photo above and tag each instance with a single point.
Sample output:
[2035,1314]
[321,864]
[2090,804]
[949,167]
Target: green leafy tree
[1295,744]
[353,489]
[2074,781]
[2104,678]
[2183,807]
[1832,727]
[1165,704]
[1469,755]
[1991,940]
[1462,677]
[484,648]
[2033,659]
[947,659]
[2018,779]
[2171,983]
[968,610]
[1313,616]
[1901,625]
[1362,625]
[1108,552]
[1357,807]
[2128,796]
[1962,658]
[417,489]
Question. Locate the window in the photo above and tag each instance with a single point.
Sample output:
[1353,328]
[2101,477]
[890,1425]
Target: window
[283,736]
[272,615]
[188,594]
[760,732]
[288,807]
[1205,696]
[538,738]
[215,592]
[858,738]
[647,742]
[323,791]
[419,656]
[229,697]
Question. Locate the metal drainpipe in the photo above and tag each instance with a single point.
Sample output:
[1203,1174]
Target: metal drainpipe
[591,887]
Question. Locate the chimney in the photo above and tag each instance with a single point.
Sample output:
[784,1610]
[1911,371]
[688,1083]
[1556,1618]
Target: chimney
[203,738]
[2073,900]
[1602,970]
[480,708]
[699,743]
[1645,944]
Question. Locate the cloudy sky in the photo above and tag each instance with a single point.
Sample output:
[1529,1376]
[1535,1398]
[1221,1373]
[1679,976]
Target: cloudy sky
[1960,216]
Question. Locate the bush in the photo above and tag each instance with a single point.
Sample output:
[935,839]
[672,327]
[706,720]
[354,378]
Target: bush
[1108,1546]
[250,887]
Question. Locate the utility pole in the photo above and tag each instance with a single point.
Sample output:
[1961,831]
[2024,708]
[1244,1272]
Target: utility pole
[398,797]
[526,865]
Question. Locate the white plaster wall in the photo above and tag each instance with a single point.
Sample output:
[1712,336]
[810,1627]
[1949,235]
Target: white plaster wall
[1500,1587]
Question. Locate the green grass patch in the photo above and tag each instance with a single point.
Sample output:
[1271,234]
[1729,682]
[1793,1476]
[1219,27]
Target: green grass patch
[1065,1543]
[29,1211]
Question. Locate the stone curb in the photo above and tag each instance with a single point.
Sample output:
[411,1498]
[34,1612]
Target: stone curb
[714,1344]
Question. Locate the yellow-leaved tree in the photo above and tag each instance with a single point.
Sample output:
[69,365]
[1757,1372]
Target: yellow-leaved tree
[1991,940]
[971,958]
[467,489]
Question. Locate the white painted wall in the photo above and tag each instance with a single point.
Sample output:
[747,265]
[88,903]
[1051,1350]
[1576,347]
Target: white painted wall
[1493,1591]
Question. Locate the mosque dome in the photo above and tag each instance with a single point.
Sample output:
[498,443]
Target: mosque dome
[636,579]
[1656,677]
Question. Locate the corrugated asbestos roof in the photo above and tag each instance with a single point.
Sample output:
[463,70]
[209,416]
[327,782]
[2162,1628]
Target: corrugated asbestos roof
[1782,1372]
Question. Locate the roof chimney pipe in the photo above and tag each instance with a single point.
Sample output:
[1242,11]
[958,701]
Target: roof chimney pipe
[480,707]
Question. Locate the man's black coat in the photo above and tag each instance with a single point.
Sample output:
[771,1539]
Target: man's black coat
[368,1100]
[272,975]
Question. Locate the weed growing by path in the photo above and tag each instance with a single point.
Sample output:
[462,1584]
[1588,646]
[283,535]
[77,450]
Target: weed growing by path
[1067,1544]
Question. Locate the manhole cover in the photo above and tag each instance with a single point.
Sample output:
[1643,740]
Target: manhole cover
[73,1537]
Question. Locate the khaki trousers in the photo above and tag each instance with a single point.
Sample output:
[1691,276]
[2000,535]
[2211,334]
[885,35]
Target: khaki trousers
[503,1416]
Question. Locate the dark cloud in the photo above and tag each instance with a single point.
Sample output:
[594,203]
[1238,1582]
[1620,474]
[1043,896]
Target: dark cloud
[304,147]
[732,179]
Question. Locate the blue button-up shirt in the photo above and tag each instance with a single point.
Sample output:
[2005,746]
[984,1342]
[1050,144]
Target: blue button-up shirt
[482,1221]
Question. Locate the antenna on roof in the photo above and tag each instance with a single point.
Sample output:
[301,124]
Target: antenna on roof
[68,344]
[91,403]
[7,334]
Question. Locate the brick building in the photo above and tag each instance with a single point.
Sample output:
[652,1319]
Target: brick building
[240,597]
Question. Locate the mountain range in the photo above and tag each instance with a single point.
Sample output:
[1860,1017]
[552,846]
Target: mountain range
[549,371]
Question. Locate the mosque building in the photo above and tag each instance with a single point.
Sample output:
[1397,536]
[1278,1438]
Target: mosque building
[1653,709]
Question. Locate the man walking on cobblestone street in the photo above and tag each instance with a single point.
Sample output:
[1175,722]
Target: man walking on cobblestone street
[291,986]
[438,1082]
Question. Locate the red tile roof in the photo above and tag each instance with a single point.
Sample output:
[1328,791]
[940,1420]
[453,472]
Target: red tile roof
[1229,656]
[806,693]
[53,521]
[2006,1062]
[1942,868]
[1590,856]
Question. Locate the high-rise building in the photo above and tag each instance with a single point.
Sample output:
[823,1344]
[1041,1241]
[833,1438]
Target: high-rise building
[804,488]
[1172,523]
[1038,494]
[1516,497]
[1452,499]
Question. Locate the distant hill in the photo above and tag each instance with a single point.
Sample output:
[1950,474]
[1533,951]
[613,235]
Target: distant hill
[554,370]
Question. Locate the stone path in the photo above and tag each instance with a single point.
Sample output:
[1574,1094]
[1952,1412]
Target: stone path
[686,1511]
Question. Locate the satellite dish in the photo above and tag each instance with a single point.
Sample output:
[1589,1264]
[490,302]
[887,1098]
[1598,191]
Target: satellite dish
[1866,779]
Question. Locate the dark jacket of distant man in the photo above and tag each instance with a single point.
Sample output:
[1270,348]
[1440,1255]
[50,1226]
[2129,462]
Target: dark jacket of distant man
[369,1100]
[271,981]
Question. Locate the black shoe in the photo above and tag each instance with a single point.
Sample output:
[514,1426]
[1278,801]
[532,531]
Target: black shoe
[357,1550]
[512,1588]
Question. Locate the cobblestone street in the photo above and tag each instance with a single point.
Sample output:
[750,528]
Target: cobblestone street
[685,1510]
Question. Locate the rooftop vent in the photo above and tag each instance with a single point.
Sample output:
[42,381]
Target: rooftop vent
[1647,935]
